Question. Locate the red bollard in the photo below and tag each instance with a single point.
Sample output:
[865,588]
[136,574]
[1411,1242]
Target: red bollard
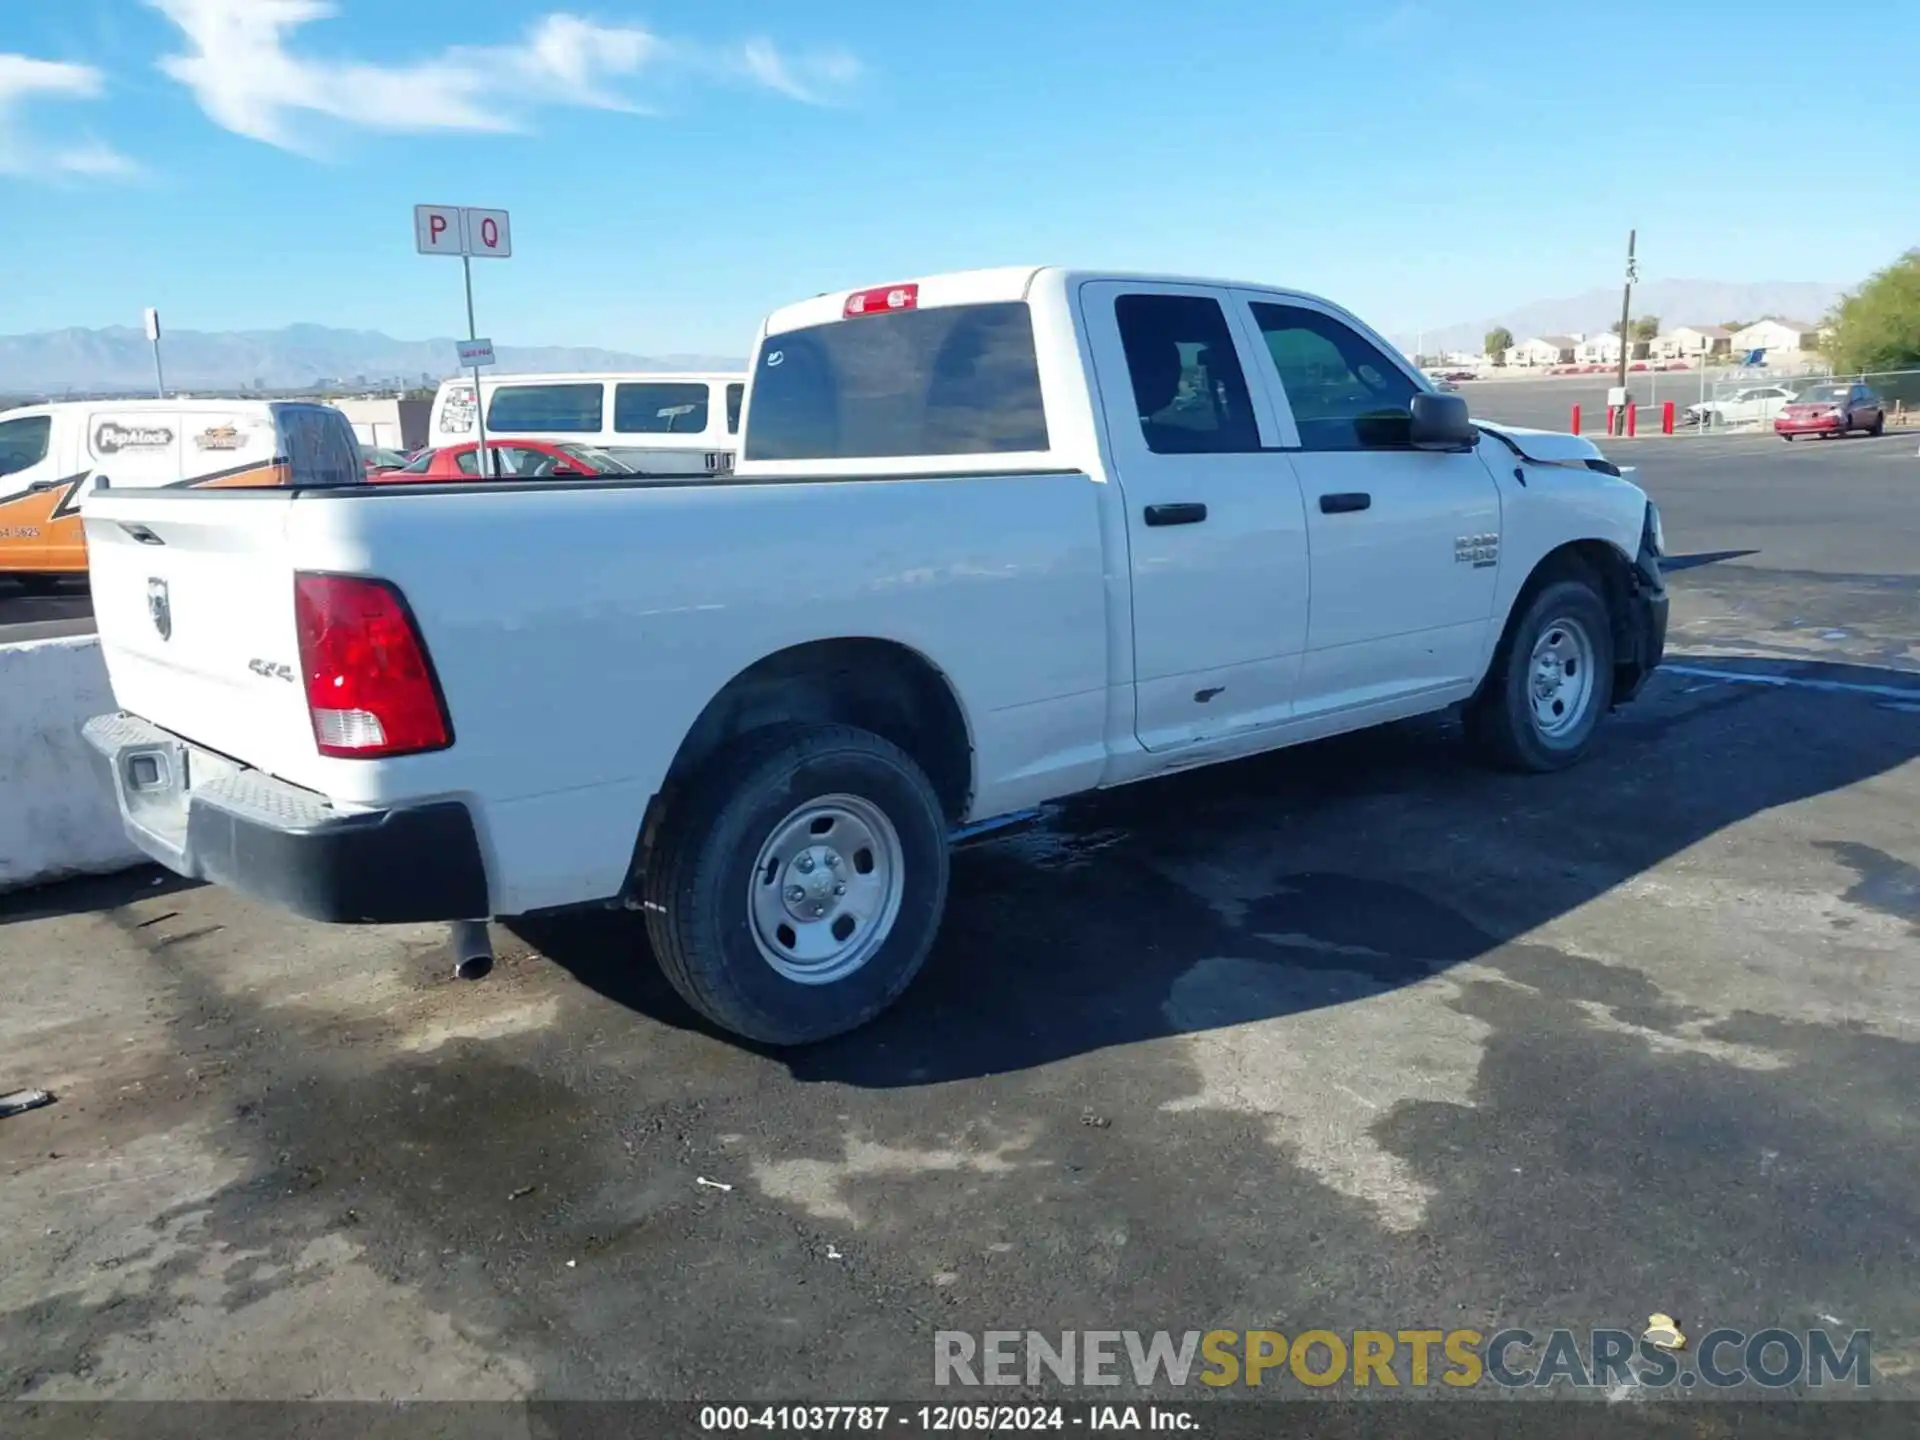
[1576,419]
[1613,418]
[1633,420]
[1666,418]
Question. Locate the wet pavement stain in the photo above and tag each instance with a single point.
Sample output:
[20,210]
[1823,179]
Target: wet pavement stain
[1887,884]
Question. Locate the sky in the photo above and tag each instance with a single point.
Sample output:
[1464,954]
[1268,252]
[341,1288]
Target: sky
[674,171]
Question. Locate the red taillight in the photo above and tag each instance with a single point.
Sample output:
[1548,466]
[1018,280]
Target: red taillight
[370,688]
[880,301]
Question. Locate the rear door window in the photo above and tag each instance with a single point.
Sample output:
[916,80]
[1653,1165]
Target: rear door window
[735,394]
[952,380]
[659,408]
[568,409]
[1188,388]
[23,442]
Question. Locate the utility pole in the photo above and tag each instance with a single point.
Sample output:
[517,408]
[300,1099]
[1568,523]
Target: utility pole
[1626,321]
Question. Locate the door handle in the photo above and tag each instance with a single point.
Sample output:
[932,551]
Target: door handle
[1185,512]
[1345,502]
[40,487]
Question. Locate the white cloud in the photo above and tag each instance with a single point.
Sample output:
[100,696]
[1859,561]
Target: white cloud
[22,79]
[814,79]
[241,68]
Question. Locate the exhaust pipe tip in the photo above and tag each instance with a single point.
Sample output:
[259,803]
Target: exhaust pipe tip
[472,949]
[473,967]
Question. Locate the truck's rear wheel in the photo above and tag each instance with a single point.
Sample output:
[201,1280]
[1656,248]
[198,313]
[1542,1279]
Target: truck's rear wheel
[797,883]
[1550,683]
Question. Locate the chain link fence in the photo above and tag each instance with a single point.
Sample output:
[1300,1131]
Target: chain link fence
[1731,400]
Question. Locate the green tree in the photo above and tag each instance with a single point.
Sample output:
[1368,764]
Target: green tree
[1736,326]
[1499,340]
[1877,327]
[1646,327]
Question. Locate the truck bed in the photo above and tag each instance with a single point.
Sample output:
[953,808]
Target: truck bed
[578,629]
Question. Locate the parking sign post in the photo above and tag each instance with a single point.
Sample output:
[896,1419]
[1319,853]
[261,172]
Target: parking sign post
[153,338]
[467,232]
[485,457]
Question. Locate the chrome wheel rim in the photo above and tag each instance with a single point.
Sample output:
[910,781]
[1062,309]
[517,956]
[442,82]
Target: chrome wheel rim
[1560,678]
[826,889]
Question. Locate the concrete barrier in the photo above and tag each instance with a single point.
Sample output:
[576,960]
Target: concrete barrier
[55,816]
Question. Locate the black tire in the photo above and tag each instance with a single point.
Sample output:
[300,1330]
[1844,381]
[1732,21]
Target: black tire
[1501,721]
[1879,426]
[1788,438]
[699,875]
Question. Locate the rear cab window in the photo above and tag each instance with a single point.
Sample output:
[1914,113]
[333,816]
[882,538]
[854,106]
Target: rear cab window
[947,380]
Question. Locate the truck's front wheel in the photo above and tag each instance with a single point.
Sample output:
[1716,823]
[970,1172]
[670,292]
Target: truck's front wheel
[1551,681]
[797,883]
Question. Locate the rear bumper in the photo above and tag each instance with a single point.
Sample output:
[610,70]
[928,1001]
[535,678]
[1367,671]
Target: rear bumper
[202,816]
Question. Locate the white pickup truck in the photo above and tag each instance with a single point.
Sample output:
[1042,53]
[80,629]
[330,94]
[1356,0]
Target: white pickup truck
[994,538]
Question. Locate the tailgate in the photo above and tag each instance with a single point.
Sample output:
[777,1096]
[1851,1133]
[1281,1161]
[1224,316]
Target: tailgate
[193,597]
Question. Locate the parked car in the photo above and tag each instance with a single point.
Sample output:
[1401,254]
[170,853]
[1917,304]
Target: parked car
[511,460]
[53,457]
[995,538]
[1743,407]
[1834,408]
[375,458]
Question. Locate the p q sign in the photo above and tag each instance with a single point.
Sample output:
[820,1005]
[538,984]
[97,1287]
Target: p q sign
[459,230]
[436,229]
[488,234]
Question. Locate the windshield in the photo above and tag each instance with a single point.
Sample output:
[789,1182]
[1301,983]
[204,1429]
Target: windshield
[594,458]
[1823,395]
[23,442]
[418,465]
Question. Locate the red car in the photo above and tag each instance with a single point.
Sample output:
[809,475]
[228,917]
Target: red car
[511,460]
[1831,409]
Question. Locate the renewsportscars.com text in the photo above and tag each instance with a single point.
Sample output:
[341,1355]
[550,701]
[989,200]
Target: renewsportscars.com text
[1722,1359]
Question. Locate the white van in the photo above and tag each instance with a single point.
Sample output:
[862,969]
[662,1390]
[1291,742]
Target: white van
[660,424]
[52,456]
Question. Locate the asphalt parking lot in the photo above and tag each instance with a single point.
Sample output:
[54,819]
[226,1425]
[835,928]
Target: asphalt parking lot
[1355,1036]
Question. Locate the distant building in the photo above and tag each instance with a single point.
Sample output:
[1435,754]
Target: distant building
[1543,350]
[1599,350]
[1693,342]
[391,424]
[1776,337]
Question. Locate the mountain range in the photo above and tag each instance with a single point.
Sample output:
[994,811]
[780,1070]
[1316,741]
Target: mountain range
[119,358]
[1676,302]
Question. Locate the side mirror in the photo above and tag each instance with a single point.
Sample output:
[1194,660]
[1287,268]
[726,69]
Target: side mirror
[1441,422]
[566,470]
